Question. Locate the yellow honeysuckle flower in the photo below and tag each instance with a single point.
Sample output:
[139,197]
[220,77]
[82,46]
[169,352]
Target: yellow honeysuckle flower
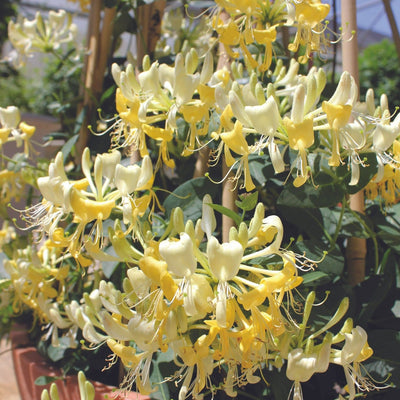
[165,136]
[235,140]
[300,131]
[308,16]
[84,4]
[265,37]
[278,281]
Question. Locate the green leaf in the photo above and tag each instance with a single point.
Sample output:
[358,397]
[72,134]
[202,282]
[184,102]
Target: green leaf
[46,380]
[161,369]
[352,226]
[5,283]
[387,225]
[332,263]
[124,22]
[279,383]
[386,357]
[367,172]
[247,202]
[308,196]
[107,94]
[189,197]
[261,169]
[226,211]
[315,278]
[307,220]
[66,149]
[374,291]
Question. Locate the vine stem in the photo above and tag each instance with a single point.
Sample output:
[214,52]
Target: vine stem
[370,232]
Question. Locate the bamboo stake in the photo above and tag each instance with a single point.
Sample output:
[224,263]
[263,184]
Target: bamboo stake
[106,38]
[356,249]
[148,20]
[393,26]
[229,188]
[89,71]
[201,166]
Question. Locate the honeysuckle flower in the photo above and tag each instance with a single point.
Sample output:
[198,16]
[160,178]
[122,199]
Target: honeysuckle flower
[179,255]
[387,186]
[354,351]
[338,111]
[303,365]
[7,234]
[224,261]
[300,131]
[264,119]
[382,139]
[38,35]
[84,4]
[235,140]
[308,17]
[21,132]
[11,183]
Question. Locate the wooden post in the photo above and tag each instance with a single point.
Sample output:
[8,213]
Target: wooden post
[356,249]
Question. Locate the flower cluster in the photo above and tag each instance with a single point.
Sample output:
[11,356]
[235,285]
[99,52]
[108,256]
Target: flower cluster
[229,307]
[112,187]
[286,114]
[213,304]
[256,23]
[38,35]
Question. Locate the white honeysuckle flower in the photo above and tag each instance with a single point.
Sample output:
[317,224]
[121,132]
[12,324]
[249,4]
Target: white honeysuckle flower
[208,221]
[353,346]
[264,118]
[274,247]
[146,173]
[126,81]
[52,189]
[354,351]
[126,178]
[238,109]
[224,259]
[149,80]
[346,91]
[197,301]
[302,366]
[56,168]
[109,162]
[207,69]
[141,283]
[143,332]
[384,135]
[10,117]
[179,255]
[291,77]
[276,156]
[185,84]
[167,77]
